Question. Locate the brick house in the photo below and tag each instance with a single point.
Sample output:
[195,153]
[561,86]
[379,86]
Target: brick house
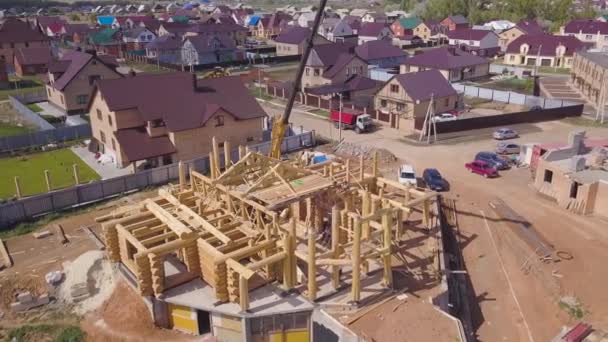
[477,42]
[455,22]
[430,31]
[164,118]
[454,64]
[407,96]
[16,34]
[332,63]
[292,40]
[588,72]
[588,31]
[72,77]
[523,27]
[543,50]
[204,49]
[374,31]
[32,61]
[404,26]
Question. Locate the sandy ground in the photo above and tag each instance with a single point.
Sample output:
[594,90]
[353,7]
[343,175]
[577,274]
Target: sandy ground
[509,305]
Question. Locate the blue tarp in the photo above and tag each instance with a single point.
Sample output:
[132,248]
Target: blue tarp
[319,159]
[253,20]
[105,20]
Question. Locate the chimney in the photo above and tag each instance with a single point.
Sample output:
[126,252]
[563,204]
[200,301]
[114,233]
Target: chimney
[576,142]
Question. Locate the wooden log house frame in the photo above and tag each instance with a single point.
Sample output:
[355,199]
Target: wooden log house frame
[252,224]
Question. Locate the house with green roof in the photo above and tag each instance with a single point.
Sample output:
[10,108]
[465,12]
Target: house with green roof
[404,26]
[107,41]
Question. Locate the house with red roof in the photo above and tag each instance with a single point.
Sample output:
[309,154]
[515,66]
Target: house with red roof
[16,34]
[292,40]
[72,77]
[523,27]
[478,42]
[430,31]
[406,97]
[55,29]
[455,22]
[374,31]
[32,61]
[158,119]
[588,31]
[454,64]
[543,50]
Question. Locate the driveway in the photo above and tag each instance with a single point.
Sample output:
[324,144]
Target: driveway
[50,110]
[508,305]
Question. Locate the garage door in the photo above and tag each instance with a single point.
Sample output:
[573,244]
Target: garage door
[183,318]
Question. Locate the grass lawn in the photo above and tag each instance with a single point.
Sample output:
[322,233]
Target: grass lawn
[515,84]
[34,108]
[30,169]
[283,75]
[27,85]
[8,129]
[260,93]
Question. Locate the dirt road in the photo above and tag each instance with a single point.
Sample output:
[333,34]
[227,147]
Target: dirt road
[509,304]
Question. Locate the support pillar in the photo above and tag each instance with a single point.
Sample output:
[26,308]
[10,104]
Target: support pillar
[182,175]
[312,267]
[426,214]
[243,293]
[366,209]
[335,244]
[387,224]
[356,261]
[227,157]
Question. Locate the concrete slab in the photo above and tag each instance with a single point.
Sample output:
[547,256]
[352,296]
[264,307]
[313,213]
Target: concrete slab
[105,171]
[49,109]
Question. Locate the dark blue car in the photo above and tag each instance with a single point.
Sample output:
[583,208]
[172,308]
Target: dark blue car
[433,180]
[493,159]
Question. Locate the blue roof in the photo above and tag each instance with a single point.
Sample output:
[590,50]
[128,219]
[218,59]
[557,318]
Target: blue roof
[253,20]
[105,20]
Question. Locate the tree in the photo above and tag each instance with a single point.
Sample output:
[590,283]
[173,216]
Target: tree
[74,17]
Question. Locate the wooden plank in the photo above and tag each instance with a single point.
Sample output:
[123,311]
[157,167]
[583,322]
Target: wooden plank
[127,235]
[240,269]
[267,261]
[184,210]
[174,224]
[8,262]
[158,238]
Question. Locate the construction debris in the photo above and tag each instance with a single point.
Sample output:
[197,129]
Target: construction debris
[26,301]
[357,150]
[42,234]
[54,277]
[60,234]
[6,260]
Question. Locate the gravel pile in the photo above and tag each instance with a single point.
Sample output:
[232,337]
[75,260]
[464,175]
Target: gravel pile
[356,150]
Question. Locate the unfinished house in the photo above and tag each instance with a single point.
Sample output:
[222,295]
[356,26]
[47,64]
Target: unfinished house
[576,176]
[248,253]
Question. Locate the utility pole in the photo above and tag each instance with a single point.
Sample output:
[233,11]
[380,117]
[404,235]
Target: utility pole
[601,103]
[429,122]
[340,118]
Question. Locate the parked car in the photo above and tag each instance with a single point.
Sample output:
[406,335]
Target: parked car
[444,117]
[493,159]
[482,168]
[407,175]
[504,133]
[507,148]
[434,181]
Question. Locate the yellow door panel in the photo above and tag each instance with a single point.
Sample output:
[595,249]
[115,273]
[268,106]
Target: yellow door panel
[183,318]
[296,336]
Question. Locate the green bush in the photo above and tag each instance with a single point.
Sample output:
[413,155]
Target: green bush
[71,334]
[51,119]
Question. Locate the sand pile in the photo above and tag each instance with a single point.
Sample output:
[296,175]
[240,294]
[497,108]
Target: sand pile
[89,281]
[356,150]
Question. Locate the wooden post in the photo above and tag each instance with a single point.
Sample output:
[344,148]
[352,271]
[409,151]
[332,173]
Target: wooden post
[347,170]
[47,177]
[361,168]
[241,152]
[366,209]
[227,157]
[387,224]
[335,244]
[399,225]
[212,167]
[243,293]
[375,170]
[312,269]
[426,214]
[17,187]
[216,153]
[292,237]
[75,169]
[182,175]
[356,259]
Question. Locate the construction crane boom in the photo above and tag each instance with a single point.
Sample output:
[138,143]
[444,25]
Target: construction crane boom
[280,125]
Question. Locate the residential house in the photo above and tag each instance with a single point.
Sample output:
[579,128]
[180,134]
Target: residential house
[135,39]
[575,176]
[167,48]
[306,19]
[543,50]
[270,26]
[164,118]
[331,64]
[588,31]
[454,64]
[353,22]
[336,30]
[234,32]
[588,74]
[455,22]
[530,27]
[78,34]
[478,42]
[16,34]
[359,12]
[499,25]
[177,29]
[381,53]
[32,61]
[404,26]
[107,41]
[356,89]
[430,31]
[292,41]
[72,77]
[374,31]
[129,22]
[105,20]
[392,16]
[204,49]
[374,17]
[41,22]
[55,29]
[408,96]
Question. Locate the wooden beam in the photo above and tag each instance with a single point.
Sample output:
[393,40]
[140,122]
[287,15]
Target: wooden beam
[240,269]
[267,261]
[174,224]
[126,235]
[356,261]
[249,251]
[184,210]
[158,238]
[244,293]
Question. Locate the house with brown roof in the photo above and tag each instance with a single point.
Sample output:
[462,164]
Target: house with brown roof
[381,53]
[16,34]
[374,31]
[72,77]
[292,40]
[203,49]
[406,97]
[543,50]
[167,48]
[331,64]
[430,31]
[454,64]
[455,22]
[270,26]
[477,42]
[32,61]
[523,27]
[164,118]
[588,31]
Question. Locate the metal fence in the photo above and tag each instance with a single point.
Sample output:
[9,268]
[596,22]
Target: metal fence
[27,208]
[29,115]
[45,137]
[511,97]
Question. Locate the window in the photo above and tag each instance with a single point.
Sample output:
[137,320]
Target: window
[548,176]
[110,120]
[220,145]
[82,99]
[249,139]
[93,78]
[99,115]
[113,144]
[400,107]
[588,37]
[317,72]
[307,71]
[447,102]
[102,135]
[62,100]
[394,88]
[157,123]
[219,120]
[383,103]
[27,44]
[511,58]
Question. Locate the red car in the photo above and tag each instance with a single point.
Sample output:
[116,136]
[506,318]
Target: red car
[482,168]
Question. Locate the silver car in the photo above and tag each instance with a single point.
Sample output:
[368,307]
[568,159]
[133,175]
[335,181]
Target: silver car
[507,148]
[504,133]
